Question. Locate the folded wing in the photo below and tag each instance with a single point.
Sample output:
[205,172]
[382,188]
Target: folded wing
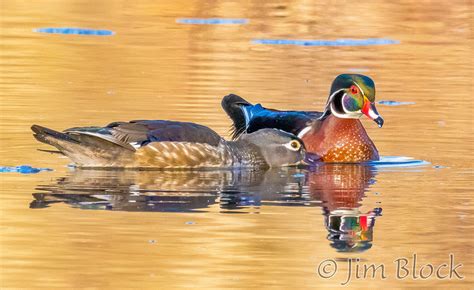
[248,118]
[137,133]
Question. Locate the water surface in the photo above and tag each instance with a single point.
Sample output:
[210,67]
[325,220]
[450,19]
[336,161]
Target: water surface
[233,229]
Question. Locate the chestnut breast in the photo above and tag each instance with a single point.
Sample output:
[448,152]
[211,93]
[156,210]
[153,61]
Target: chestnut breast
[340,140]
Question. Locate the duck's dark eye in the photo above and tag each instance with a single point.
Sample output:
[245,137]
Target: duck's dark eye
[354,90]
[295,145]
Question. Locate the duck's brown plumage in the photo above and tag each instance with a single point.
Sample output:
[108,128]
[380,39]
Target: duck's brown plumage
[168,144]
[340,140]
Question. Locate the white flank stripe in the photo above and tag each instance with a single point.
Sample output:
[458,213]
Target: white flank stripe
[304,131]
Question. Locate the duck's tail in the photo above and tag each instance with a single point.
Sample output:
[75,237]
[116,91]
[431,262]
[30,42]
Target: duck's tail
[84,149]
[238,110]
[51,137]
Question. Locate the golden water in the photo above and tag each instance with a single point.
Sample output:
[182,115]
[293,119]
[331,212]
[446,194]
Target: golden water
[75,229]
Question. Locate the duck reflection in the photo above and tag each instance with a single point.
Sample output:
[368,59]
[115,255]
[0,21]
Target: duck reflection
[341,189]
[337,188]
[126,190]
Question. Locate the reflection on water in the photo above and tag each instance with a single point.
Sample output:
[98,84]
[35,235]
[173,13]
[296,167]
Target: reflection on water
[78,31]
[156,68]
[341,188]
[337,42]
[337,188]
[206,21]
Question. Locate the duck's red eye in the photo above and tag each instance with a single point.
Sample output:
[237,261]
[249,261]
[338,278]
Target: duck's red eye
[354,90]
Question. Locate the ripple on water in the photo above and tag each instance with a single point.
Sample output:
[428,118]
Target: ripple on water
[319,42]
[395,103]
[212,20]
[24,169]
[397,161]
[76,31]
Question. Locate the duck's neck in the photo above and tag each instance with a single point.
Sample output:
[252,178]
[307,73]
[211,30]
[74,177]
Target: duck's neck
[340,140]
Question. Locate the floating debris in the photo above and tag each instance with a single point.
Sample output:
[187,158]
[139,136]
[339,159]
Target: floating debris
[395,103]
[24,169]
[439,166]
[336,42]
[190,223]
[212,20]
[77,31]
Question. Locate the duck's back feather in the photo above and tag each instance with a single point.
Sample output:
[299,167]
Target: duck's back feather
[142,132]
[248,118]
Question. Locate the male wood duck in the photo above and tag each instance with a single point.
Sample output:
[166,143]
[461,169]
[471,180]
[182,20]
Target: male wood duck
[170,144]
[336,134]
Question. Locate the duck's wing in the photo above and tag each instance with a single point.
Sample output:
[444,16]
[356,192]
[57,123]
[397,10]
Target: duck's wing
[138,133]
[248,118]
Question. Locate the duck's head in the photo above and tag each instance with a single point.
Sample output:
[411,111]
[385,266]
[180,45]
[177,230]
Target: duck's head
[351,96]
[280,148]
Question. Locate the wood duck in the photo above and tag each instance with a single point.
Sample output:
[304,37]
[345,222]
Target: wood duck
[170,144]
[336,134]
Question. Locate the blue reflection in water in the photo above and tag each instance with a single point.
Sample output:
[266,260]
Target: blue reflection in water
[25,169]
[395,103]
[397,161]
[212,20]
[336,42]
[77,31]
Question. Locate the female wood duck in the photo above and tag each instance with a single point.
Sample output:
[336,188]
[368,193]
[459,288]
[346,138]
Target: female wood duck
[169,144]
[336,134]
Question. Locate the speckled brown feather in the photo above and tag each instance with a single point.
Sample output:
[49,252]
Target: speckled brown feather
[340,140]
[182,155]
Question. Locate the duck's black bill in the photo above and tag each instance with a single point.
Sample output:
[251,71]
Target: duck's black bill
[311,159]
[379,121]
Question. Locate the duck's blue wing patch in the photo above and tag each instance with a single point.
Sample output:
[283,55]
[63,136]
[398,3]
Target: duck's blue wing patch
[248,118]
[258,117]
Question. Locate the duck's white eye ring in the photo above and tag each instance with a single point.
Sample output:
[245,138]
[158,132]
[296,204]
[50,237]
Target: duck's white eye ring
[293,145]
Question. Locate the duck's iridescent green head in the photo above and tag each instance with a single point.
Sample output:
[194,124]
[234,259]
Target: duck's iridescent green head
[351,96]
